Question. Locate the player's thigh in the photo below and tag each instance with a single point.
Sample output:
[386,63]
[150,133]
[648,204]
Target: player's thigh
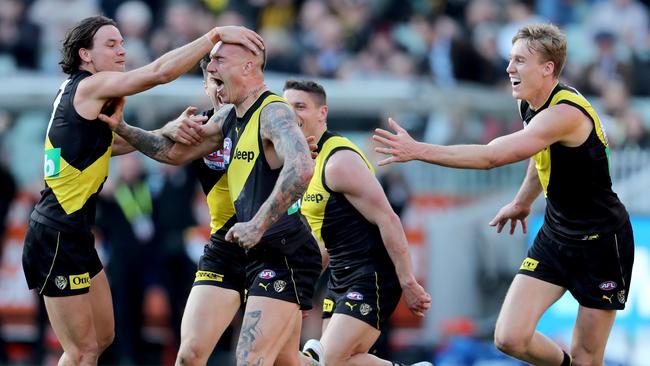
[72,320]
[527,299]
[346,336]
[102,308]
[289,353]
[208,312]
[265,324]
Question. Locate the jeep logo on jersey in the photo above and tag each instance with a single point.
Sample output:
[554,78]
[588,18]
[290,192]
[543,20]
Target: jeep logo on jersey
[313,197]
[218,160]
[266,274]
[608,285]
[354,296]
[244,155]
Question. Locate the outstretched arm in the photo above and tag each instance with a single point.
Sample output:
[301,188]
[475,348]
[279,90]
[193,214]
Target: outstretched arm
[278,125]
[346,172]
[162,149]
[559,123]
[95,90]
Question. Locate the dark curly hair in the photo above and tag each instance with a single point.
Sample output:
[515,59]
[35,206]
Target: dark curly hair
[309,86]
[81,36]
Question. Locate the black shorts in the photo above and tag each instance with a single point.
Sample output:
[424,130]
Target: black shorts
[288,278]
[371,298]
[58,263]
[223,264]
[597,271]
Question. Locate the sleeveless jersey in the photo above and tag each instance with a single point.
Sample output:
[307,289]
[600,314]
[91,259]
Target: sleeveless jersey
[576,180]
[251,179]
[353,243]
[77,153]
[211,172]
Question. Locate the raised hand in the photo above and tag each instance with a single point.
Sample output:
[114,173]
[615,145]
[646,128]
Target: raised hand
[242,36]
[513,212]
[186,129]
[399,145]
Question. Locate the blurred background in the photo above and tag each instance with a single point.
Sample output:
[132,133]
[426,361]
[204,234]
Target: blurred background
[437,67]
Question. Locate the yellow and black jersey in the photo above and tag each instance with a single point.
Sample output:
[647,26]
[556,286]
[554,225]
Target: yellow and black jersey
[250,178]
[353,243]
[576,180]
[211,172]
[77,153]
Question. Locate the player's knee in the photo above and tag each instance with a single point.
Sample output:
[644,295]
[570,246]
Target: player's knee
[84,354]
[191,353]
[510,344]
[105,340]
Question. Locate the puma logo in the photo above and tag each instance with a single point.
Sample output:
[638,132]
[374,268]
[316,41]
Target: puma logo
[608,298]
[351,306]
[267,285]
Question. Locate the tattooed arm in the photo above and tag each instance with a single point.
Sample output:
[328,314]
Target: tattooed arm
[278,125]
[164,150]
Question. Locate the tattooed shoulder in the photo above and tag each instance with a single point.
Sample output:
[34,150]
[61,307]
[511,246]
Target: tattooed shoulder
[276,118]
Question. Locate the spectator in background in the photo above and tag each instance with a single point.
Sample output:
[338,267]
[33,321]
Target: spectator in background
[624,125]
[606,67]
[19,38]
[125,221]
[174,190]
[54,21]
[134,19]
[396,189]
[626,19]
[519,13]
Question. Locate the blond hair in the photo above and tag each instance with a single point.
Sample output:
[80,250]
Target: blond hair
[547,40]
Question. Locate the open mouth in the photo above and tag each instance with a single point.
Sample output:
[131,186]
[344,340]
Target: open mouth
[219,82]
[515,81]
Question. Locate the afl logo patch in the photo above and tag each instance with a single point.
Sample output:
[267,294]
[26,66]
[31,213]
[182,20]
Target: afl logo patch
[220,159]
[61,282]
[354,296]
[267,274]
[608,285]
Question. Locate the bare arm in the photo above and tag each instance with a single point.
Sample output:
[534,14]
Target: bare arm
[278,124]
[557,124]
[95,90]
[347,173]
[121,147]
[164,150]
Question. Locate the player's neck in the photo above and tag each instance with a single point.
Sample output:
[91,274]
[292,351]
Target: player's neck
[543,94]
[249,98]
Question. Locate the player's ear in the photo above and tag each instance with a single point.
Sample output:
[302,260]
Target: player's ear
[84,54]
[549,67]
